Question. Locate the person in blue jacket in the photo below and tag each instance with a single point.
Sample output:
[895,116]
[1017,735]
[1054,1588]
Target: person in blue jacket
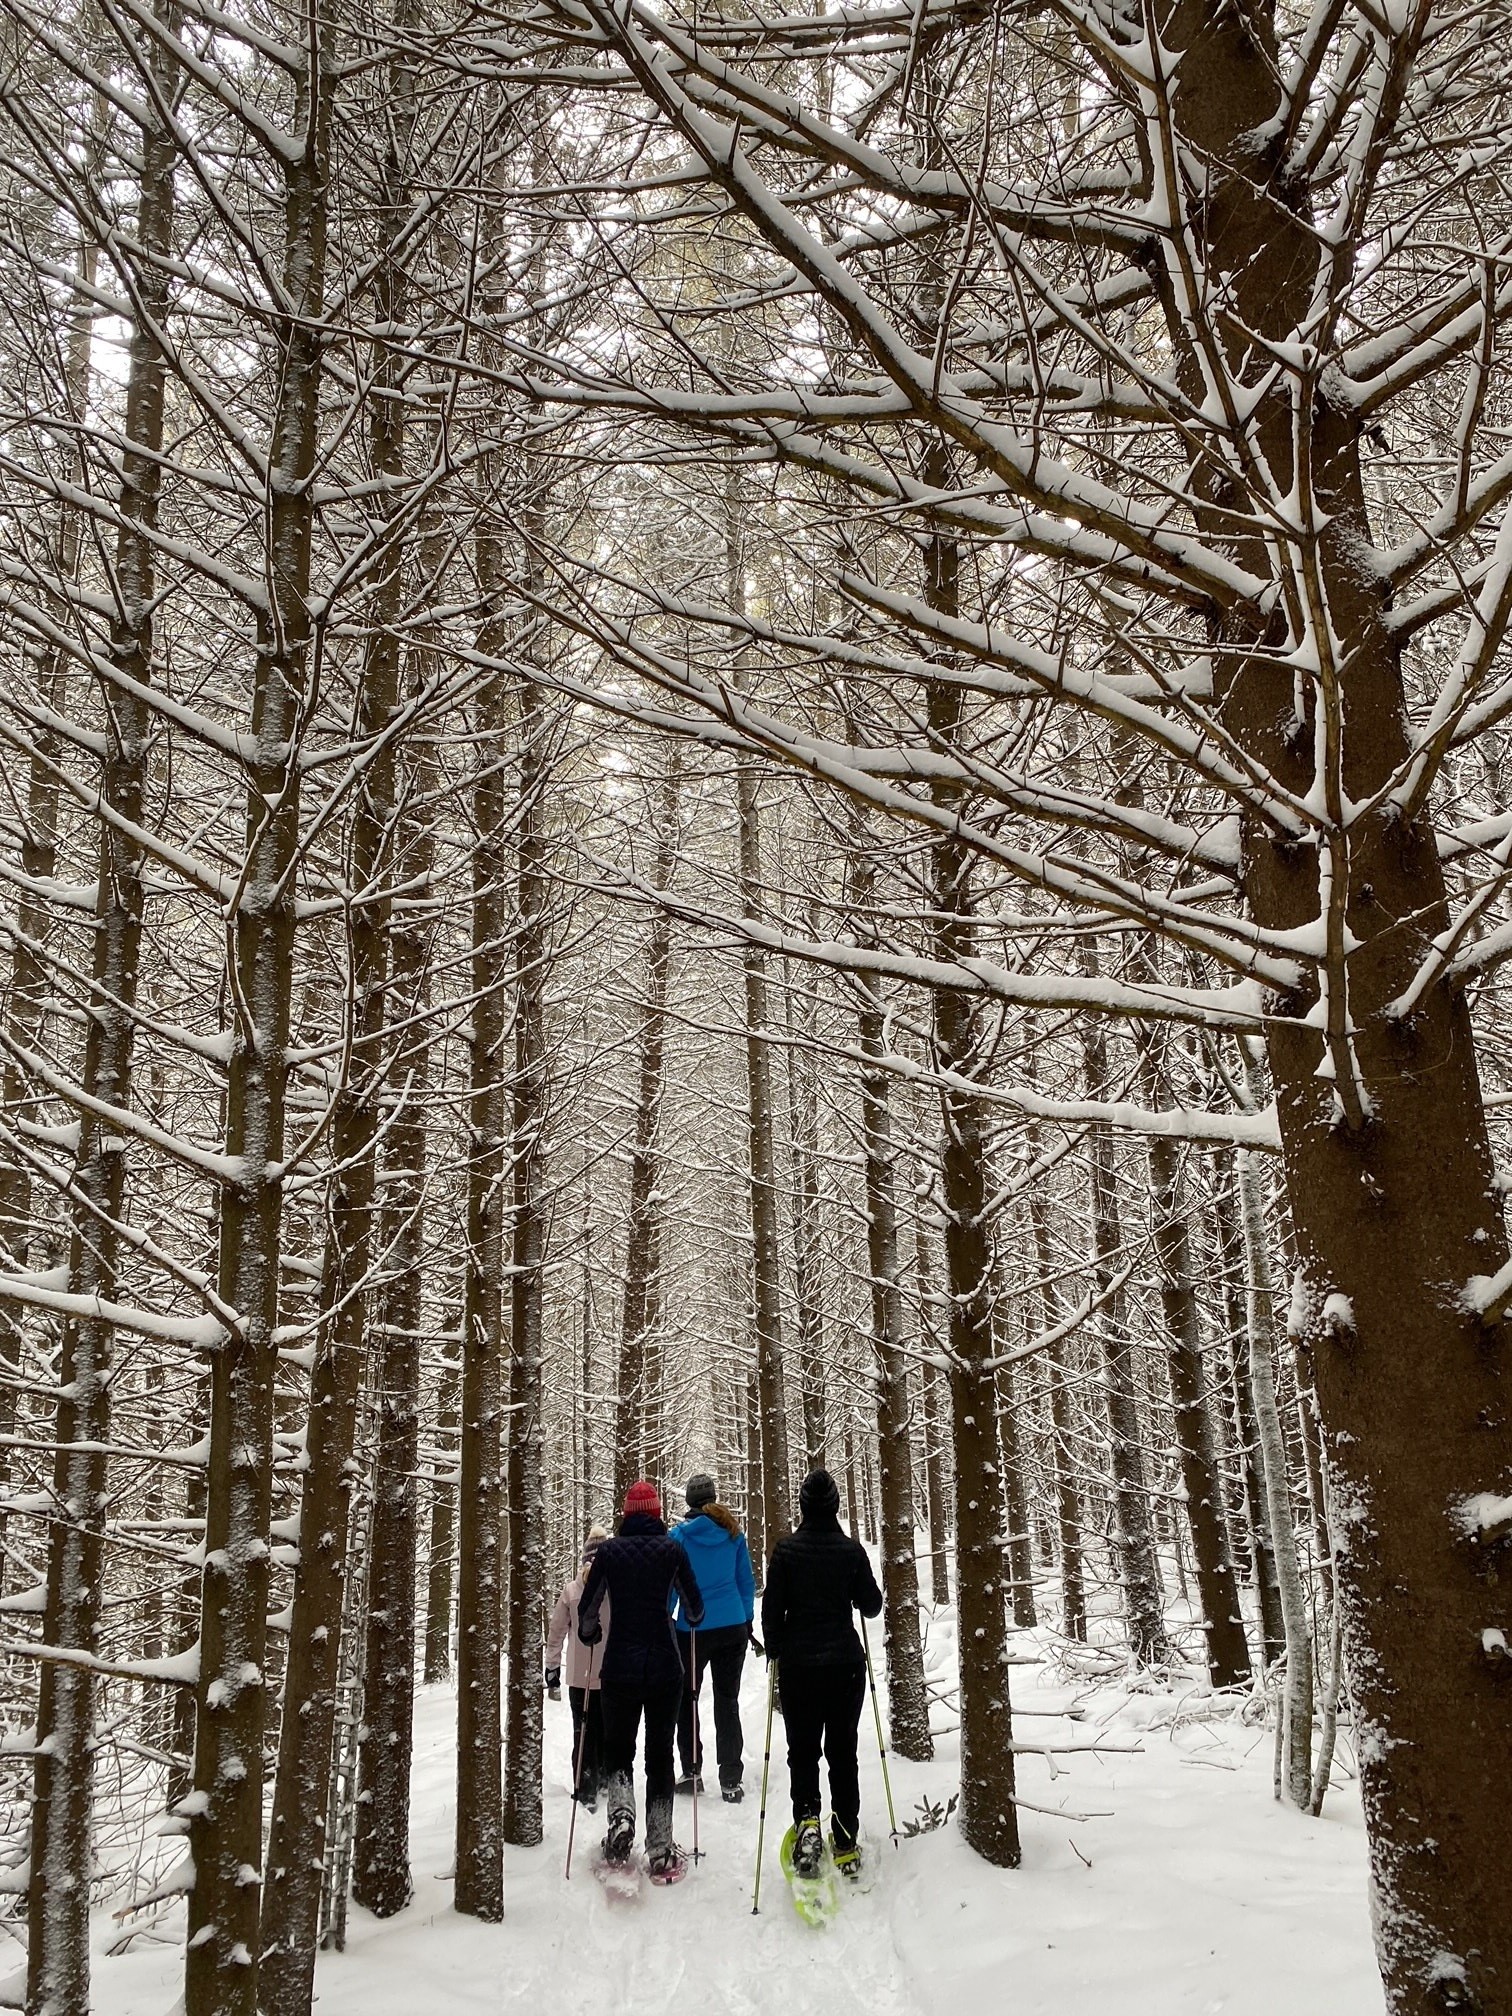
[721,1562]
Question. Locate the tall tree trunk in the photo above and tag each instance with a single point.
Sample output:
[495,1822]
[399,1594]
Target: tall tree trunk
[1228,1660]
[934,1450]
[1019,1550]
[225,1831]
[441,1543]
[989,1818]
[907,1695]
[62,1830]
[1297,1695]
[808,1275]
[526,1612]
[631,1443]
[766,1269]
[381,1862]
[480,1790]
[1256,1511]
[25,1001]
[1067,1506]
[1388,1161]
[756,1527]
[1139,1563]
[297,1844]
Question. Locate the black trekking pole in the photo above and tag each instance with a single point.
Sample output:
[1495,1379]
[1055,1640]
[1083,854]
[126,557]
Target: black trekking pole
[766,1769]
[871,1677]
[577,1769]
[697,1740]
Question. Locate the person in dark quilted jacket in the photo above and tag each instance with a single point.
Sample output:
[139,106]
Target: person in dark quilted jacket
[641,1677]
[817,1577]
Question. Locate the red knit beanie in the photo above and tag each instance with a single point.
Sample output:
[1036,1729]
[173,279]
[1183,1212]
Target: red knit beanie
[642,1497]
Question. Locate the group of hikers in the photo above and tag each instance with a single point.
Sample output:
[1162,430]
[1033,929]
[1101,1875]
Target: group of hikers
[651,1611]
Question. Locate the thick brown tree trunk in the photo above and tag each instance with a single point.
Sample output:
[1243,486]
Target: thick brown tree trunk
[1388,1163]
[989,1818]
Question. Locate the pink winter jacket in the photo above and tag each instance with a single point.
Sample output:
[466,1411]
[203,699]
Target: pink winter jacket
[584,1662]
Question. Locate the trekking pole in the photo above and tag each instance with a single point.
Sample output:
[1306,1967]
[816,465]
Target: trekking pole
[766,1768]
[577,1769]
[697,1740]
[892,1818]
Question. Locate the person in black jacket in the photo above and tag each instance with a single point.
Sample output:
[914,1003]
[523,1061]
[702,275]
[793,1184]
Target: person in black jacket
[642,1673]
[816,1577]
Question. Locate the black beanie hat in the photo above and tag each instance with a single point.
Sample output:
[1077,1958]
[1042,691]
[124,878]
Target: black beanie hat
[701,1491]
[820,1494]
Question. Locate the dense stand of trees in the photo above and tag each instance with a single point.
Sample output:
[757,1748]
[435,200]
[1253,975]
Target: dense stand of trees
[729,742]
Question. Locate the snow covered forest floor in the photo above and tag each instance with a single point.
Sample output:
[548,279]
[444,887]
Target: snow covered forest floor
[1187,1890]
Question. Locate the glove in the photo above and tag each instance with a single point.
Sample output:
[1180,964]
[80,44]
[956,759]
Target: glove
[554,1682]
[756,1645]
[592,1634]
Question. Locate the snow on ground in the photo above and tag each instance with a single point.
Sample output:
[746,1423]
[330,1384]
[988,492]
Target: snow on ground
[1189,1894]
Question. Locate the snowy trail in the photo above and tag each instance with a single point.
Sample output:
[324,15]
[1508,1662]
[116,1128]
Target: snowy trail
[1203,1898]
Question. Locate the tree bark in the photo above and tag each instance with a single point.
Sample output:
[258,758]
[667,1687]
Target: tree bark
[1140,1565]
[381,1880]
[1296,1709]
[631,1440]
[480,1791]
[1228,1659]
[1388,1162]
[62,1821]
[225,1831]
[1067,1503]
[297,1843]
[526,1610]
[907,1696]
[1256,1514]
[989,1818]
[441,1543]
[1020,1541]
[934,1450]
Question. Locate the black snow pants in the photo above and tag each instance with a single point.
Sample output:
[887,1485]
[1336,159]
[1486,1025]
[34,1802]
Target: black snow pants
[721,1654]
[587,1741]
[623,1709]
[821,1707]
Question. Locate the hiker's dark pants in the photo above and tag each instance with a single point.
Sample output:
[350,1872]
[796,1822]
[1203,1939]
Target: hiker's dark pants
[623,1709]
[587,1741]
[720,1654]
[821,1706]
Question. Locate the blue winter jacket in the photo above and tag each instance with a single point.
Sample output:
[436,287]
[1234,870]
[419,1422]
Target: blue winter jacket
[721,1562]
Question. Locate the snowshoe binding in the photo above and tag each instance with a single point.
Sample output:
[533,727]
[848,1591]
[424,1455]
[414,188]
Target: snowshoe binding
[620,1838]
[667,1865]
[816,1894]
[732,1794]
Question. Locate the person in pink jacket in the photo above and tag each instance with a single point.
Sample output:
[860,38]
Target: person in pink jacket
[584,1664]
